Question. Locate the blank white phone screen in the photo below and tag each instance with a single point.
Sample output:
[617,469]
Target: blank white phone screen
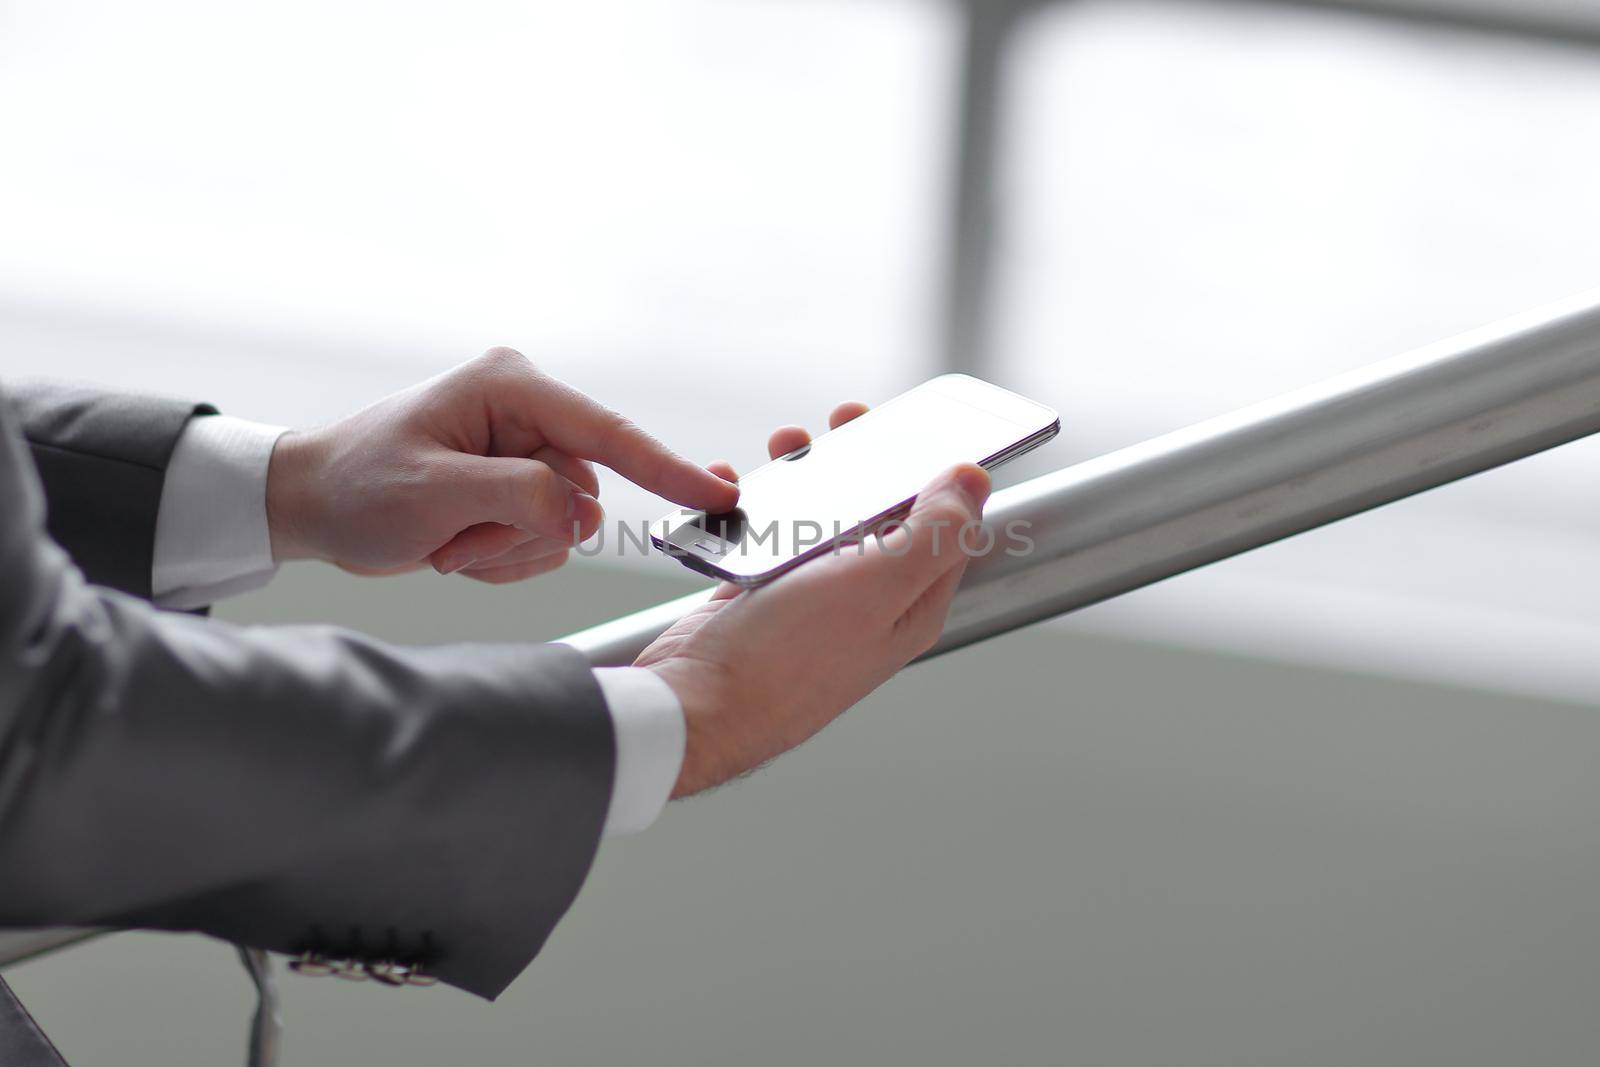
[858,473]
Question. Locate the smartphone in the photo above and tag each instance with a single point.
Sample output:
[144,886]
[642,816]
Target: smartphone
[853,480]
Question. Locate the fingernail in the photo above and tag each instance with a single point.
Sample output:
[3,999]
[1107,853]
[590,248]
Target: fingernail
[578,500]
[455,563]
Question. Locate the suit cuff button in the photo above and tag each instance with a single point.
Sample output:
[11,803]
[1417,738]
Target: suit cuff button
[415,975]
[386,971]
[351,970]
[310,964]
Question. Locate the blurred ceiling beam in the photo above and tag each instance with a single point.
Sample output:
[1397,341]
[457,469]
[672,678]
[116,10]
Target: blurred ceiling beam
[968,254]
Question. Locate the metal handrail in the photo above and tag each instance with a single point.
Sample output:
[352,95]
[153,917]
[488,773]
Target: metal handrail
[1219,488]
[1263,473]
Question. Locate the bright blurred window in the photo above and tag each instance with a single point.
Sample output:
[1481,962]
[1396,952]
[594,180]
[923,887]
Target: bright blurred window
[1207,204]
[699,206]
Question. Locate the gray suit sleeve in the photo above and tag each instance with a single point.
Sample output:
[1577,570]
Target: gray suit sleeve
[102,458]
[289,788]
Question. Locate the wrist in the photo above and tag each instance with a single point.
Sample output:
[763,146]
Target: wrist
[697,687]
[291,477]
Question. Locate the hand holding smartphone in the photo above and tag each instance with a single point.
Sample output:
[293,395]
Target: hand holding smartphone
[856,478]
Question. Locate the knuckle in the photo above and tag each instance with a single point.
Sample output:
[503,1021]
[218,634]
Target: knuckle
[503,357]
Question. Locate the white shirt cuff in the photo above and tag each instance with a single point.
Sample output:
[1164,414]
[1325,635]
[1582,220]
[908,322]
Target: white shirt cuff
[212,539]
[648,722]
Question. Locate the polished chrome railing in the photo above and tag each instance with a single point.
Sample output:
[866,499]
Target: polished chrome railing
[1353,442]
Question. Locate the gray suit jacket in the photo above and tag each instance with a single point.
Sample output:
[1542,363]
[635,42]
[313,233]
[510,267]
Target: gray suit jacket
[290,788]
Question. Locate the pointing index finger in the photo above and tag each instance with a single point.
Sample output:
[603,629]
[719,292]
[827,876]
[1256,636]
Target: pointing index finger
[581,427]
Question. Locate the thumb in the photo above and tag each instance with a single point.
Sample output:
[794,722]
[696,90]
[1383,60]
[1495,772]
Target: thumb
[927,543]
[966,485]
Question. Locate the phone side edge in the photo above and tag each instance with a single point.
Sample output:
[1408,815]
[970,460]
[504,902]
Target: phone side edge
[1032,415]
